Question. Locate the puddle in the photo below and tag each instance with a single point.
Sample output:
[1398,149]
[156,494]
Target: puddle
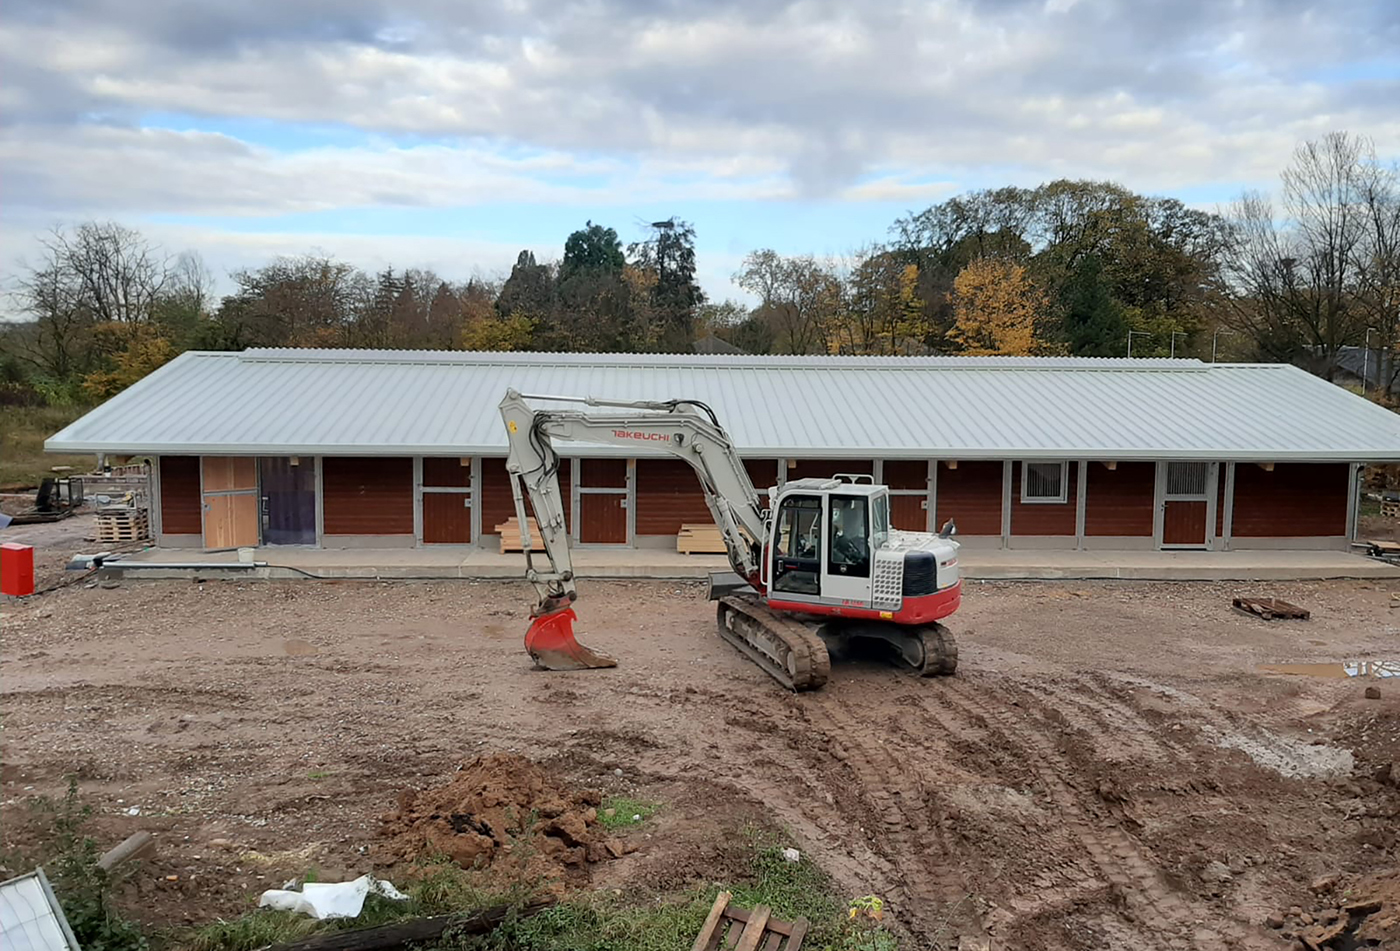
[298,648]
[1338,670]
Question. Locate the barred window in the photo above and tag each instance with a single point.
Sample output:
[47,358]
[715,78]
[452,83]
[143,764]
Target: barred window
[1044,481]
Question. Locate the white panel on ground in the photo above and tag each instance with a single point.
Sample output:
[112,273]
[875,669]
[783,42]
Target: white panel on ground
[30,916]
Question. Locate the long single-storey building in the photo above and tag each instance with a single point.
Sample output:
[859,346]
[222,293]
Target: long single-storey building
[354,448]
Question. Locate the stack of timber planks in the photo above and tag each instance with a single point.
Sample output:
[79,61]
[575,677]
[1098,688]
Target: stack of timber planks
[509,530]
[695,539]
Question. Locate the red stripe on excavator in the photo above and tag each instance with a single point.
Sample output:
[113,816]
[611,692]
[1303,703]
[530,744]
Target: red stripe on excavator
[921,610]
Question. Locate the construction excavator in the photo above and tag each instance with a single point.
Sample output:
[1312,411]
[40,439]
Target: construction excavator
[819,570]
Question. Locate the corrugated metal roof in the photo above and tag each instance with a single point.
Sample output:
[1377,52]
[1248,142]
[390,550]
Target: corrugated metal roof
[393,402]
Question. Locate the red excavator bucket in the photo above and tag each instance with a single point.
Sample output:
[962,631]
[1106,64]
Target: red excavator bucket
[550,641]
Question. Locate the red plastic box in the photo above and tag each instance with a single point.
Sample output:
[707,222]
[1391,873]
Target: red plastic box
[16,569]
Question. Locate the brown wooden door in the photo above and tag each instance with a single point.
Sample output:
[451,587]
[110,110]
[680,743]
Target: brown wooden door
[447,518]
[1184,523]
[909,513]
[447,501]
[603,518]
[602,499]
[230,498]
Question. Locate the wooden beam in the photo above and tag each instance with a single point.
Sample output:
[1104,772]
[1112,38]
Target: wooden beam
[1110,465]
[753,931]
[1266,466]
[400,933]
[137,845]
[951,463]
[716,913]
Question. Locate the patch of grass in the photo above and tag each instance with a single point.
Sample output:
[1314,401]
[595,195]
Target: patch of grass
[246,932]
[597,921]
[318,774]
[600,922]
[23,430]
[437,888]
[624,808]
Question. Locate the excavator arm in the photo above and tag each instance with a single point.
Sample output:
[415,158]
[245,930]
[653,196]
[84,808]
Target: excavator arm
[685,429]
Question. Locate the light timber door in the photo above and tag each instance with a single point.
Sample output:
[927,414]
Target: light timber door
[230,496]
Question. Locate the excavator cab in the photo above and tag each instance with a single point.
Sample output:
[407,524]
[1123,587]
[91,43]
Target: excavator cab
[825,534]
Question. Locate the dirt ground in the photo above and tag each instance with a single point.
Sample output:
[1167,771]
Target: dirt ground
[1110,768]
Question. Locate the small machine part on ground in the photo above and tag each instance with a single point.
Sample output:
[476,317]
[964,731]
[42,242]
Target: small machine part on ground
[56,498]
[818,566]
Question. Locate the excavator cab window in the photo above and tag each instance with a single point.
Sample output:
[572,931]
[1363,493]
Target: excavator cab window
[797,545]
[879,520]
[850,537]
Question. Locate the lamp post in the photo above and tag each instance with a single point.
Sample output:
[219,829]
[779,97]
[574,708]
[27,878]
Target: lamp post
[1366,360]
[1131,335]
[1215,342]
[1175,334]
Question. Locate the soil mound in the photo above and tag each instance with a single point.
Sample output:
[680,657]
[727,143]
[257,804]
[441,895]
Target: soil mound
[499,805]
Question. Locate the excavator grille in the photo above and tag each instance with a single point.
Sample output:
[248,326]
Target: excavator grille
[887,584]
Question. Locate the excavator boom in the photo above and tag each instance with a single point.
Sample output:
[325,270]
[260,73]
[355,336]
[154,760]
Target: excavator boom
[687,430]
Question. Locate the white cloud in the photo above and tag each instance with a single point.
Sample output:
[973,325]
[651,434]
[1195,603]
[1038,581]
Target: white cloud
[619,102]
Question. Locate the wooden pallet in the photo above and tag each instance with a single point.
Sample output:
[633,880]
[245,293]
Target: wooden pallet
[123,525]
[735,929]
[696,539]
[1271,609]
[509,530]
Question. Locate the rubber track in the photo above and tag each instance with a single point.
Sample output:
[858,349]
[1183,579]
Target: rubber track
[1161,912]
[939,642]
[806,650]
[936,899]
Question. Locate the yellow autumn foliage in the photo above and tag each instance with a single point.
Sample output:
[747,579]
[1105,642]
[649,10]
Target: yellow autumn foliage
[995,306]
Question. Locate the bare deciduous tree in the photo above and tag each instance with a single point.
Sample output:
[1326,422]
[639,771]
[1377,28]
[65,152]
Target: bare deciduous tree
[97,273]
[798,298]
[116,271]
[1307,278]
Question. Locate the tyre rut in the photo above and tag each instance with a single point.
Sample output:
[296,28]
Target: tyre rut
[935,898]
[1159,910]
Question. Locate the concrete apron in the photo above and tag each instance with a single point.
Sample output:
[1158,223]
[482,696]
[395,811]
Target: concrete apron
[418,565]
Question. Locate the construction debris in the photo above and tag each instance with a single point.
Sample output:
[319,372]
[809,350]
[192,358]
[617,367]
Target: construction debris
[1384,550]
[138,845]
[728,927]
[323,900]
[1271,609]
[401,934]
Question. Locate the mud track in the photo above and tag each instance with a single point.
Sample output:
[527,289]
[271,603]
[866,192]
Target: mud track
[1107,770]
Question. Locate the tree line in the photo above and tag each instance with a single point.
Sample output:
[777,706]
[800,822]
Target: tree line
[1069,267]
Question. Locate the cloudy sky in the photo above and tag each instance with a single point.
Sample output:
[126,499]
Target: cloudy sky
[453,133]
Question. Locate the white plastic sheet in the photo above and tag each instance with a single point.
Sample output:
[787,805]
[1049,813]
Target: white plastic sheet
[330,899]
